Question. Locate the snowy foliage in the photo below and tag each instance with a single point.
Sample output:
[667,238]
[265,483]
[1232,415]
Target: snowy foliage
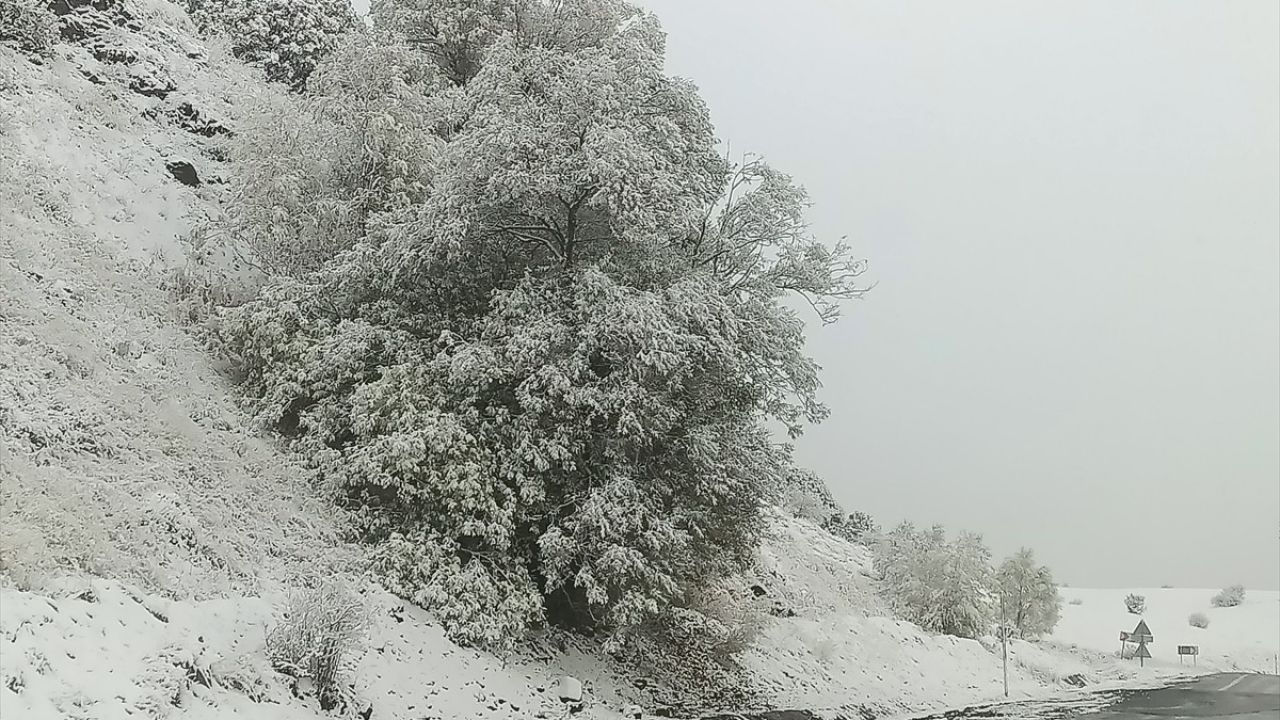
[856,527]
[1135,604]
[319,637]
[29,26]
[1198,620]
[285,37]
[1230,596]
[805,495]
[1029,600]
[943,586]
[523,319]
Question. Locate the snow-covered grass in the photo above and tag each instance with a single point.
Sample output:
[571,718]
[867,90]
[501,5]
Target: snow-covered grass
[1245,637]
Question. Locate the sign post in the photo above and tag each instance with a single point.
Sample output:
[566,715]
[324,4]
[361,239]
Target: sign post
[1006,632]
[1124,640]
[1192,650]
[1143,653]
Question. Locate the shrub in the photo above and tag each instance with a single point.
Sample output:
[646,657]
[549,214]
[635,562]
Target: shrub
[287,38]
[1198,620]
[1136,604]
[1076,601]
[856,527]
[318,638]
[1229,597]
[29,26]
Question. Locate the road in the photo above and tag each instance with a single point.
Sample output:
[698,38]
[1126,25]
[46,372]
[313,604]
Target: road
[1232,695]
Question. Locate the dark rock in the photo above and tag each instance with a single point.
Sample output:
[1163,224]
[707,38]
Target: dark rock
[183,172]
[191,120]
[1076,680]
[758,591]
[151,85]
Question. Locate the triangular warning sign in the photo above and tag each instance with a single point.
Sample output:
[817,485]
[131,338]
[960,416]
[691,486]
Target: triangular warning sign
[1143,652]
[1142,630]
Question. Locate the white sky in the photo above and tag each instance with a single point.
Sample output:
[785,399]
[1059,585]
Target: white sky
[1072,210]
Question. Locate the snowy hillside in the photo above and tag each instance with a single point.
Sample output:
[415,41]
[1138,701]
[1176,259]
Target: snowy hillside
[1246,637]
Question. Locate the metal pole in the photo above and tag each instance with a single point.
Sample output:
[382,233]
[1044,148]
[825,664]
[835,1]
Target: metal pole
[1004,644]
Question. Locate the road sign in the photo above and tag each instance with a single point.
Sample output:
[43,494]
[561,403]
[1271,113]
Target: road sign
[1192,650]
[1124,636]
[1142,653]
[1142,633]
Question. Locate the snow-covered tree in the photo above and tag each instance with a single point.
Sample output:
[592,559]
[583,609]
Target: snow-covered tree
[939,585]
[804,494]
[1028,596]
[539,362]
[856,527]
[285,37]
[1135,604]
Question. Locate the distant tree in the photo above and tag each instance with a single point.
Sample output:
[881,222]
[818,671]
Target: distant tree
[1028,597]
[1136,604]
[939,585]
[804,494]
[856,527]
[1230,596]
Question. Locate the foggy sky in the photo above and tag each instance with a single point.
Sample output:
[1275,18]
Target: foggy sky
[1072,212]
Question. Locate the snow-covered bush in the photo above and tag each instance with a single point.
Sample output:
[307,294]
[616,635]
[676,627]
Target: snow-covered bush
[1077,601]
[285,37]
[478,603]
[310,171]
[1198,620]
[319,637]
[856,527]
[941,586]
[1028,596]
[539,354]
[28,25]
[1230,596]
[805,495]
[1135,604]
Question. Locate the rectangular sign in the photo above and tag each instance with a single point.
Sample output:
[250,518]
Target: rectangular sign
[1188,649]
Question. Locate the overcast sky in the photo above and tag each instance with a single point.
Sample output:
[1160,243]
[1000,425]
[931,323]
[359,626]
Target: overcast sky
[1072,211]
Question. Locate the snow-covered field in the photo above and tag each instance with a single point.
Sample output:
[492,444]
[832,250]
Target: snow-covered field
[1246,637]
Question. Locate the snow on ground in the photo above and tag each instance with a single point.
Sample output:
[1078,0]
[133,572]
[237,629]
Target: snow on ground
[843,651]
[1245,638]
[106,652]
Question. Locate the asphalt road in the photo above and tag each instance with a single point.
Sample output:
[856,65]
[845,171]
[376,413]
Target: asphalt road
[1229,695]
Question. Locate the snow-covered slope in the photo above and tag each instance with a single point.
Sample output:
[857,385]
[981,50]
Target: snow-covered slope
[1246,637]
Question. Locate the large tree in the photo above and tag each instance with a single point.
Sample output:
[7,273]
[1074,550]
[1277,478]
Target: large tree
[541,374]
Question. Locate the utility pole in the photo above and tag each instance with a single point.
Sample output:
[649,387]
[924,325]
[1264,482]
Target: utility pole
[1004,629]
